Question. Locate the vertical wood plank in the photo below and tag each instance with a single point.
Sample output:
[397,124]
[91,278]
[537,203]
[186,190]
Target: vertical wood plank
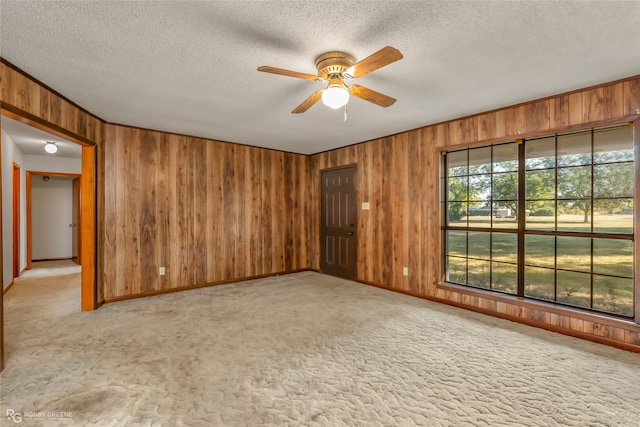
[304,201]
[173,146]
[253,194]
[514,121]
[163,217]
[377,238]
[199,173]
[364,217]
[109,270]
[278,232]
[537,116]
[612,101]
[631,95]
[288,176]
[121,285]
[217,211]
[592,105]
[559,114]
[431,215]
[147,160]
[230,213]
[396,219]
[487,126]
[386,213]
[267,203]
[132,197]
[575,108]
[409,209]
[501,123]
[240,199]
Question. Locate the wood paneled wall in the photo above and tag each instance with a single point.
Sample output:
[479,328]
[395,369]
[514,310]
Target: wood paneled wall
[399,177]
[30,96]
[208,211]
[212,212]
[608,103]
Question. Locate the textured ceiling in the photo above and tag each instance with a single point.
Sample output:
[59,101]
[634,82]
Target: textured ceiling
[190,67]
[31,141]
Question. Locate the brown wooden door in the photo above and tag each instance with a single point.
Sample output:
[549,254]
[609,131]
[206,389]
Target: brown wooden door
[16,219]
[338,227]
[75,220]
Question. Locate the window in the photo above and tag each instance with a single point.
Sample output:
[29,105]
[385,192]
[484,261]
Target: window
[548,219]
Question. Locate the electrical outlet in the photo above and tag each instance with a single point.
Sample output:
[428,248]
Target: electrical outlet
[162,271]
[405,271]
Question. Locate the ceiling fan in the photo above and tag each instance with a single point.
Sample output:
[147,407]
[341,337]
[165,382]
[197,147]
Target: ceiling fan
[336,67]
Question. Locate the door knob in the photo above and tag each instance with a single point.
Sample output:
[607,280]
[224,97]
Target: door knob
[350,233]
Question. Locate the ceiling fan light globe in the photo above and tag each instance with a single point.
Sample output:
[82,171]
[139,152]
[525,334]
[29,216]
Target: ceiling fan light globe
[50,148]
[335,97]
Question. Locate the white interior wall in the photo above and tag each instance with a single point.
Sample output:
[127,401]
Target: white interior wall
[11,153]
[52,163]
[51,213]
[54,241]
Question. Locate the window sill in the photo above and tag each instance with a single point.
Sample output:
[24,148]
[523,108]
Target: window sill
[600,318]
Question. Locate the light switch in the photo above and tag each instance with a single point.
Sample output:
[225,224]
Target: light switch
[405,271]
[365,206]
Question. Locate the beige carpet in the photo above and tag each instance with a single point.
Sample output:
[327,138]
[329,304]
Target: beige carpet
[303,349]
[50,268]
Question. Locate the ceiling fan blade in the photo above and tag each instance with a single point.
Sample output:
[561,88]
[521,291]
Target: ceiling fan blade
[384,56]
[371,96]
[283,72]
[308,103]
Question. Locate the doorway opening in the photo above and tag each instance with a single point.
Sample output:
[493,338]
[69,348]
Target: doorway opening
[67,199]
[87,211]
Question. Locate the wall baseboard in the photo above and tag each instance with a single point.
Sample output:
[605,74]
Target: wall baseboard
[5,290]
[201,285]
[51,259]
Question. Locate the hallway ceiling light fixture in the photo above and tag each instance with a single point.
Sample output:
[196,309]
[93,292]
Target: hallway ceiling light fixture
[50,147]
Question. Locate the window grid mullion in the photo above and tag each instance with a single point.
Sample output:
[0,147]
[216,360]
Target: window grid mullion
[555,227]
[491,221]
[522,232]
[522,217]
[593,218]
[466,250]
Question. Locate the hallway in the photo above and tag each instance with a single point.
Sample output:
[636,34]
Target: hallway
[50,289]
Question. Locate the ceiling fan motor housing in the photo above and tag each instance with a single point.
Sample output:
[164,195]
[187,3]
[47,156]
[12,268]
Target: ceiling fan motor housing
[331,63]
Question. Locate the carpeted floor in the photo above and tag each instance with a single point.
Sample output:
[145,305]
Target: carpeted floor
[302,349]
[50,268]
